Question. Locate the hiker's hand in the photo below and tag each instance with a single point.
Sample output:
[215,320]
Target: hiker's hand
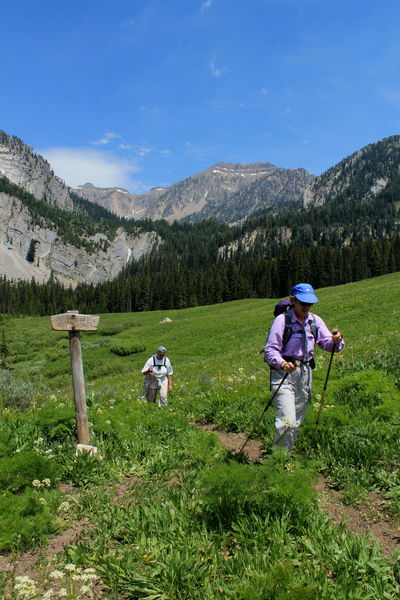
[288,367]
[170,388]
[150,369]
[336,336]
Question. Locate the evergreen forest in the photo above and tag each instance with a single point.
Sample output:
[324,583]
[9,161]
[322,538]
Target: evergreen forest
[352,236]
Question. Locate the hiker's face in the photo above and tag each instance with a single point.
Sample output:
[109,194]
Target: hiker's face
[160,355]
[301,308]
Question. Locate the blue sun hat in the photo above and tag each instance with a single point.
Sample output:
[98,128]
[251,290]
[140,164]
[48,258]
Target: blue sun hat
[304,293]
[161,349]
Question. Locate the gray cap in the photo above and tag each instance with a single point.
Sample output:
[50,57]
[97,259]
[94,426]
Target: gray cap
[161,349]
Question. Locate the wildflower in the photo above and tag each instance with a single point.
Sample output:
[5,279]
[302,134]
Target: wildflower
[46,482]
[17,451]
[42,501]
[56,574]
[39,441]
[25,586]
[36,483]
[64,506]
[107,422]
[85,589]
[70,567]
[49,594]
[62,593]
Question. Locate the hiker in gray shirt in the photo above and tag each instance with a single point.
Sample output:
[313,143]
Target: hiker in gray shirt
[158,380]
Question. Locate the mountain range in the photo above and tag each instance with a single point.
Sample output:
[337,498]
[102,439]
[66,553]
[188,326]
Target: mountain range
[90,234]
[226,192]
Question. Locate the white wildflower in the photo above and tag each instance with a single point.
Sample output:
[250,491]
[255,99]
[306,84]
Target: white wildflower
[46,482]
[36,483]
[56,574]
[70,567]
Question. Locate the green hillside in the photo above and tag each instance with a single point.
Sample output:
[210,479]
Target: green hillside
[170,513]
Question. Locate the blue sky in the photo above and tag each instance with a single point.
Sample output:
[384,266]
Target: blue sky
[145,93]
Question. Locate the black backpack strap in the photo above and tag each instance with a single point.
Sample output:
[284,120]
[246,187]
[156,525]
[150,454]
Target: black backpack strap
[313,326]
[289,327]
[287,332]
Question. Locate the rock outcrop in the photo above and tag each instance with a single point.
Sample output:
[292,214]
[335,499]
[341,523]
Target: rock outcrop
[28,250]
[361,175]
[30,247]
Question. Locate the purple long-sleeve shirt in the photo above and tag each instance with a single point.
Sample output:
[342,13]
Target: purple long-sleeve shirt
[274,352]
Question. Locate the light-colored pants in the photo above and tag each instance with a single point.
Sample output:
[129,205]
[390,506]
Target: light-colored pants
[291,403]
[154,388]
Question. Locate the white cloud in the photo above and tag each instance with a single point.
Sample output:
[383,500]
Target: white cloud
[106,139]
[216,71]
[125,146]
[143,150]
[77,166]
[207,4]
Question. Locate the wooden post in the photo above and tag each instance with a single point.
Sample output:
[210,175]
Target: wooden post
[73,322]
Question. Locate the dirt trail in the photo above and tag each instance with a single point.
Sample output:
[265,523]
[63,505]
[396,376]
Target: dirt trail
[369,519]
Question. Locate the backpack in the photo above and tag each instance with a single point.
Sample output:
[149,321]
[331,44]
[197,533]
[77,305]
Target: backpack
[283,306]
[159,372]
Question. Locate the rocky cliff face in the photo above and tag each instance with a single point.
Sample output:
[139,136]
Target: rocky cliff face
[30,248]
[361,175]
[227,192]
[32,172]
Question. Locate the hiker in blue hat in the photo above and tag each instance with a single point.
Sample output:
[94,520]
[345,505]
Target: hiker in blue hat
[158,377]
[289,351]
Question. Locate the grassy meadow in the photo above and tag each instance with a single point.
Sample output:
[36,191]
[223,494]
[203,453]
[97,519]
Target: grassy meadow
[169,513]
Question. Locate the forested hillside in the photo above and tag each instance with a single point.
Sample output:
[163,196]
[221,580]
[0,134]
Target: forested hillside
[352,235]
[207,263]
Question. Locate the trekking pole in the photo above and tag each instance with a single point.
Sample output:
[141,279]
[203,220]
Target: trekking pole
[325,385]
[266,407]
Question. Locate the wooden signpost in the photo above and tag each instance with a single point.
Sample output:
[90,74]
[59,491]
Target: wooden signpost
[73,322]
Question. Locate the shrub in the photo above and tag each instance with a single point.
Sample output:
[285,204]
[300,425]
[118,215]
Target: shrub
[19,471]
[24,521]
[14,393]
[127,349]
[56,424]
[229,491]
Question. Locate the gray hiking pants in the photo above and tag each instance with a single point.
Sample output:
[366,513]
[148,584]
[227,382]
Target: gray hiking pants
[291,403]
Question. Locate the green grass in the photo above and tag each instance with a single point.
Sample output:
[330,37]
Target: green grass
[197,524]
